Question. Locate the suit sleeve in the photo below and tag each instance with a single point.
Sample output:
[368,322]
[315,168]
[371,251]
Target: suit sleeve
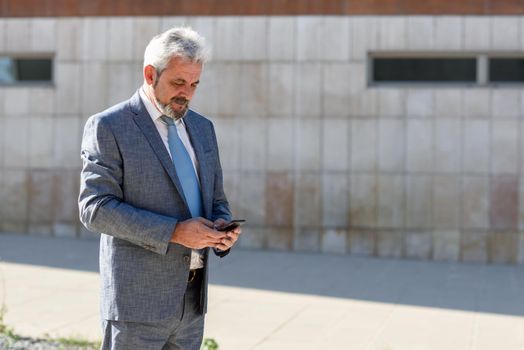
[220,203]
[101,204]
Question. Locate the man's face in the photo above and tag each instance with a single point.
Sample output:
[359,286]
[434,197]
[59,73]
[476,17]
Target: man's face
[175,86]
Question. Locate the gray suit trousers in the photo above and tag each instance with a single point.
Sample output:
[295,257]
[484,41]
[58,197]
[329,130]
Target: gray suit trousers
[182,332]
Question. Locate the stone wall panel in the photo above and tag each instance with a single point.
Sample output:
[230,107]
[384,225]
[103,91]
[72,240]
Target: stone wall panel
[314,156]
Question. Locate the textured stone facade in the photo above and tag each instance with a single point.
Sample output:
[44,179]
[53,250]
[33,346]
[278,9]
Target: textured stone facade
[313,157]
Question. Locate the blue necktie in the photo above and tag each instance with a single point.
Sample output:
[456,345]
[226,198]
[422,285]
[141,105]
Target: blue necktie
[184,168]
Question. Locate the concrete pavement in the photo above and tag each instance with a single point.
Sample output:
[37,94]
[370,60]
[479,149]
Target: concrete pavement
[277,300]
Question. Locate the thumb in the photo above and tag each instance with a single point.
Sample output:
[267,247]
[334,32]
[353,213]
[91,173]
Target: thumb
[220,222]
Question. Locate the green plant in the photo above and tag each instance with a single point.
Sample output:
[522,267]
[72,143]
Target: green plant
[209,344]
[10,334]
[77,342]
[3,326]
[4,329]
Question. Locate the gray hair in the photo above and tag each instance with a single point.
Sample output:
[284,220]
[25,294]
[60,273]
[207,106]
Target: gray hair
[181,42]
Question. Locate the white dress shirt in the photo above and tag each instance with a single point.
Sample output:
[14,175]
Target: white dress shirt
[197,260]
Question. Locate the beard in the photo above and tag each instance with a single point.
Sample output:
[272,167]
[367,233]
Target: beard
[166,109]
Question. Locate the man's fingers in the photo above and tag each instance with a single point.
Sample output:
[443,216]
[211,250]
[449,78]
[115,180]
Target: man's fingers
[236,231]
[219,223]
[205,222]
[213,238]
[209,231]
[223,246]
[233,235]
[213,241]
[210,242]
[215,234]
[229,241]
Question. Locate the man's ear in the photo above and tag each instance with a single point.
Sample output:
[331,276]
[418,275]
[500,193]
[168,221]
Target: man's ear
[149,74]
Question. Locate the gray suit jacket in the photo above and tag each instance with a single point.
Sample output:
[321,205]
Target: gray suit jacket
[130,193]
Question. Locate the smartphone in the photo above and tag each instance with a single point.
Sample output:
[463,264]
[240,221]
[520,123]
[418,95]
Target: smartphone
[233,224]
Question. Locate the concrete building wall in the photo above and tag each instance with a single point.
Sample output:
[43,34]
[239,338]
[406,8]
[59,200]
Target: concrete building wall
[313,157]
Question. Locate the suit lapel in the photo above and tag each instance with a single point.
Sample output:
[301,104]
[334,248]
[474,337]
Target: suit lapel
[197,139]
[148,128]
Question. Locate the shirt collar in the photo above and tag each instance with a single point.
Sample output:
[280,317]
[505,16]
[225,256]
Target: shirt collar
[154,113]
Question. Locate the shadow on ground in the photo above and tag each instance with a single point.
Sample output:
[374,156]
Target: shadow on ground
[468,287]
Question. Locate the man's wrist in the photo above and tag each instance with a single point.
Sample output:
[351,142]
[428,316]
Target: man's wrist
[174,235]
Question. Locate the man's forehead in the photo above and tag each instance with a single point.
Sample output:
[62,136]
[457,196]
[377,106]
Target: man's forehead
[183,69]
[183,63]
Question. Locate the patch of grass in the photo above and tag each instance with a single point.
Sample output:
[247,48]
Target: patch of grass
[78,342]
[64,342]
[4,329]
[209,344]
[10,333]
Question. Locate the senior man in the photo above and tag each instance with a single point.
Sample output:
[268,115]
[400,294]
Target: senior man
[151,184]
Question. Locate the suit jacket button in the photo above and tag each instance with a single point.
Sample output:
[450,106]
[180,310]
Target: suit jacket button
[187,258]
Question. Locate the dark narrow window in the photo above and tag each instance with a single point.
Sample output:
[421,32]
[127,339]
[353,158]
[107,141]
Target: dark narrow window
[506,70]
[424,70]
[25,70]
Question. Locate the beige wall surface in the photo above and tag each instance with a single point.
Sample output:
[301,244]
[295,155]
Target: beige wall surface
[313,157]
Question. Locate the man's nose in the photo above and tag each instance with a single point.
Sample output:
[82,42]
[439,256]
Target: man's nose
[185,92]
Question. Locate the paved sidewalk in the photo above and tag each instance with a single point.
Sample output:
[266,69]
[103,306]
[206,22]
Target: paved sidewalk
[276,300]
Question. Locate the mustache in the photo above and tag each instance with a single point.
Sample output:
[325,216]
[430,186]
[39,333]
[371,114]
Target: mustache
[180,100]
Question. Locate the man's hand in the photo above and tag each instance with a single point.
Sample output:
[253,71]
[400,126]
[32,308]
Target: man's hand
[197,233]
[231,236]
